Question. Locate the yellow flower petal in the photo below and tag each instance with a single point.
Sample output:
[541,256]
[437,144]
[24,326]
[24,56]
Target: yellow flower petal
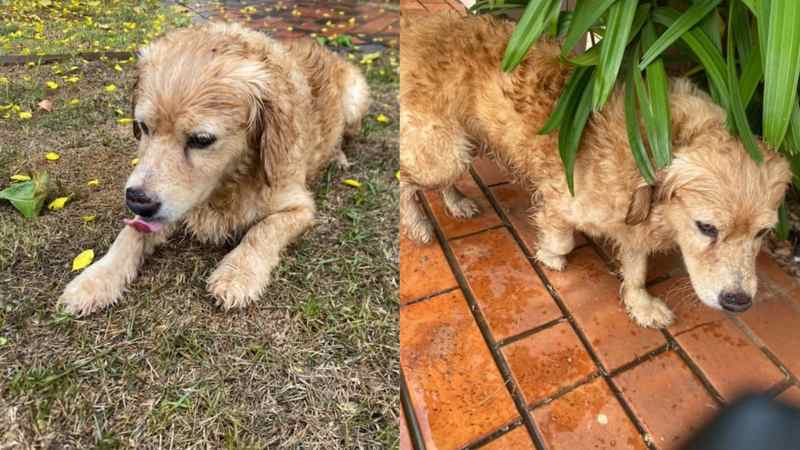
[382,119]
[352,183]
[93,183]
[110,88]
[25,115]
[20,178]
[89,218]
[117,67]
[4,80]
[52,156]
[74,102]
[125,121]
[134,161]
[397,175]
[52,84]
[58,203]
[83,259]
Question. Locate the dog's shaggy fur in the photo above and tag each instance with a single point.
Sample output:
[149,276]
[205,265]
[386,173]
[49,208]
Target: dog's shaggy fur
[278,112]
[455,101]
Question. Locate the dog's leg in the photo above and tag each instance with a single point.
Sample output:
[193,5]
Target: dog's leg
[416,225]
[244,273]
[645,309]
[102,283]
[458,205]
[556,239]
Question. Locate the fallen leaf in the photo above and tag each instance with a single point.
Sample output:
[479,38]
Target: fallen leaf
[134,161]
[397,175]
[117,67]
[46,105]
[83,259]
[52,85]
[28,196]
[74,102]
[58,203]
[110,88]
[352,183]
[52,156]
[89,218]
[20,178]
[93,183]
[25,115]
[380,118]
[125,121]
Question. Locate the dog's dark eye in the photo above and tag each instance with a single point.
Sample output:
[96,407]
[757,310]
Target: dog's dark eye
[139,128]
[707,229]
[762,232]
[200,140]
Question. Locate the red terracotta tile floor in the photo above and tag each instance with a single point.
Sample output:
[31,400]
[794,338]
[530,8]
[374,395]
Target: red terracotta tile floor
[498,352]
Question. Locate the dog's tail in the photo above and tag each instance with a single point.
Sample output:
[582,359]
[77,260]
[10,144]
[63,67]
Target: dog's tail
[355,100]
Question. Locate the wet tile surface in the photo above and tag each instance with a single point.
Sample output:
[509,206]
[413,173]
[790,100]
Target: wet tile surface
[460,394]
[587,417]
[456,390]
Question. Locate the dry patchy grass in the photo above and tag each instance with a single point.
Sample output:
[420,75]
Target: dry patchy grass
[312,365]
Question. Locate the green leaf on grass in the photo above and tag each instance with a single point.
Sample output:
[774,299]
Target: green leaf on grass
[28,197]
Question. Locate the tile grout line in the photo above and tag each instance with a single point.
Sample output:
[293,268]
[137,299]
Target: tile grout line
[494,435]
[428,297]
[411,416]
[499,360]
[518,337]
[744,328]
[567,314]
[679,350]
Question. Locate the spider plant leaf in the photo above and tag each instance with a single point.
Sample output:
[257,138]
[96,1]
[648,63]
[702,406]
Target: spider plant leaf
[569,138]
[705,51]
[587,12]
[737,110]
[660,129]
[568,100]
[638,149]
[591,57]
[620,21]
[678,28]
[782,227]
[531,25]
[781,69]
[752,74]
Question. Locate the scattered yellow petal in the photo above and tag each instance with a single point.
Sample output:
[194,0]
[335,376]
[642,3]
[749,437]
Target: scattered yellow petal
[117,67]
[397,175]
[134,161]
[72,79]
[52,84]
[74,102]
[352,183]
[125,121]
[89,218]
[4,80]
[110,88]
[20,178]
[93,183]
[58,203]
[25,115]
[83,259]
[52,156]
[380,118]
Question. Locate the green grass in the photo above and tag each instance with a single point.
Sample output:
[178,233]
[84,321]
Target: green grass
[312,364]
[47,27]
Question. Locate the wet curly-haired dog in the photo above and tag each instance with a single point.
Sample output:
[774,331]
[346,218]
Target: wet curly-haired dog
[232,126]
[713,201]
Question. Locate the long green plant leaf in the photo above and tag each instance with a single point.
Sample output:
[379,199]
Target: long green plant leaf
[569,137]
[659,131]
[638,149]
[531,25]
[591,57]
[569,98]
[620,21]
[737,111]
[781,68]
[587,12]
[677,29]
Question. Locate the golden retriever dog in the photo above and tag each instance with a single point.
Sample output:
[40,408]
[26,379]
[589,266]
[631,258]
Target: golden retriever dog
[713,202]
[232,127]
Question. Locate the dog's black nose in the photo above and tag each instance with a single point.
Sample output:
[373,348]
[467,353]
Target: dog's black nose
[735,301]
[140,203]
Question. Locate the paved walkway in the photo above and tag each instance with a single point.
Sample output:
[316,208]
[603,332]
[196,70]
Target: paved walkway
[498,352]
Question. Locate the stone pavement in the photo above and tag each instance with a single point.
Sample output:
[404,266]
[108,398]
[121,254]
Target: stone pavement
[498,352]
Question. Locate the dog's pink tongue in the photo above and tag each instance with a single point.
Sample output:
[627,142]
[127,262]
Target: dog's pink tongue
[142,225]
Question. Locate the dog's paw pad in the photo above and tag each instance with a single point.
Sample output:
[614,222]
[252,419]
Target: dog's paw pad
[464,208]
[551,261]
[651,313]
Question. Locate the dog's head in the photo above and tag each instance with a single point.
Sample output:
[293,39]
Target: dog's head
[719,204]
[208,106]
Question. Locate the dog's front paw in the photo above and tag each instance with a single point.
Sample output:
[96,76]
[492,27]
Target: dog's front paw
[463,208]
[94,289]
[420,231]
[233,286]
[551,260]
[648,311]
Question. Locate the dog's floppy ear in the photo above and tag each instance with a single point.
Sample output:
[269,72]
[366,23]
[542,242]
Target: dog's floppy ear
[639,207]
[274,135]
